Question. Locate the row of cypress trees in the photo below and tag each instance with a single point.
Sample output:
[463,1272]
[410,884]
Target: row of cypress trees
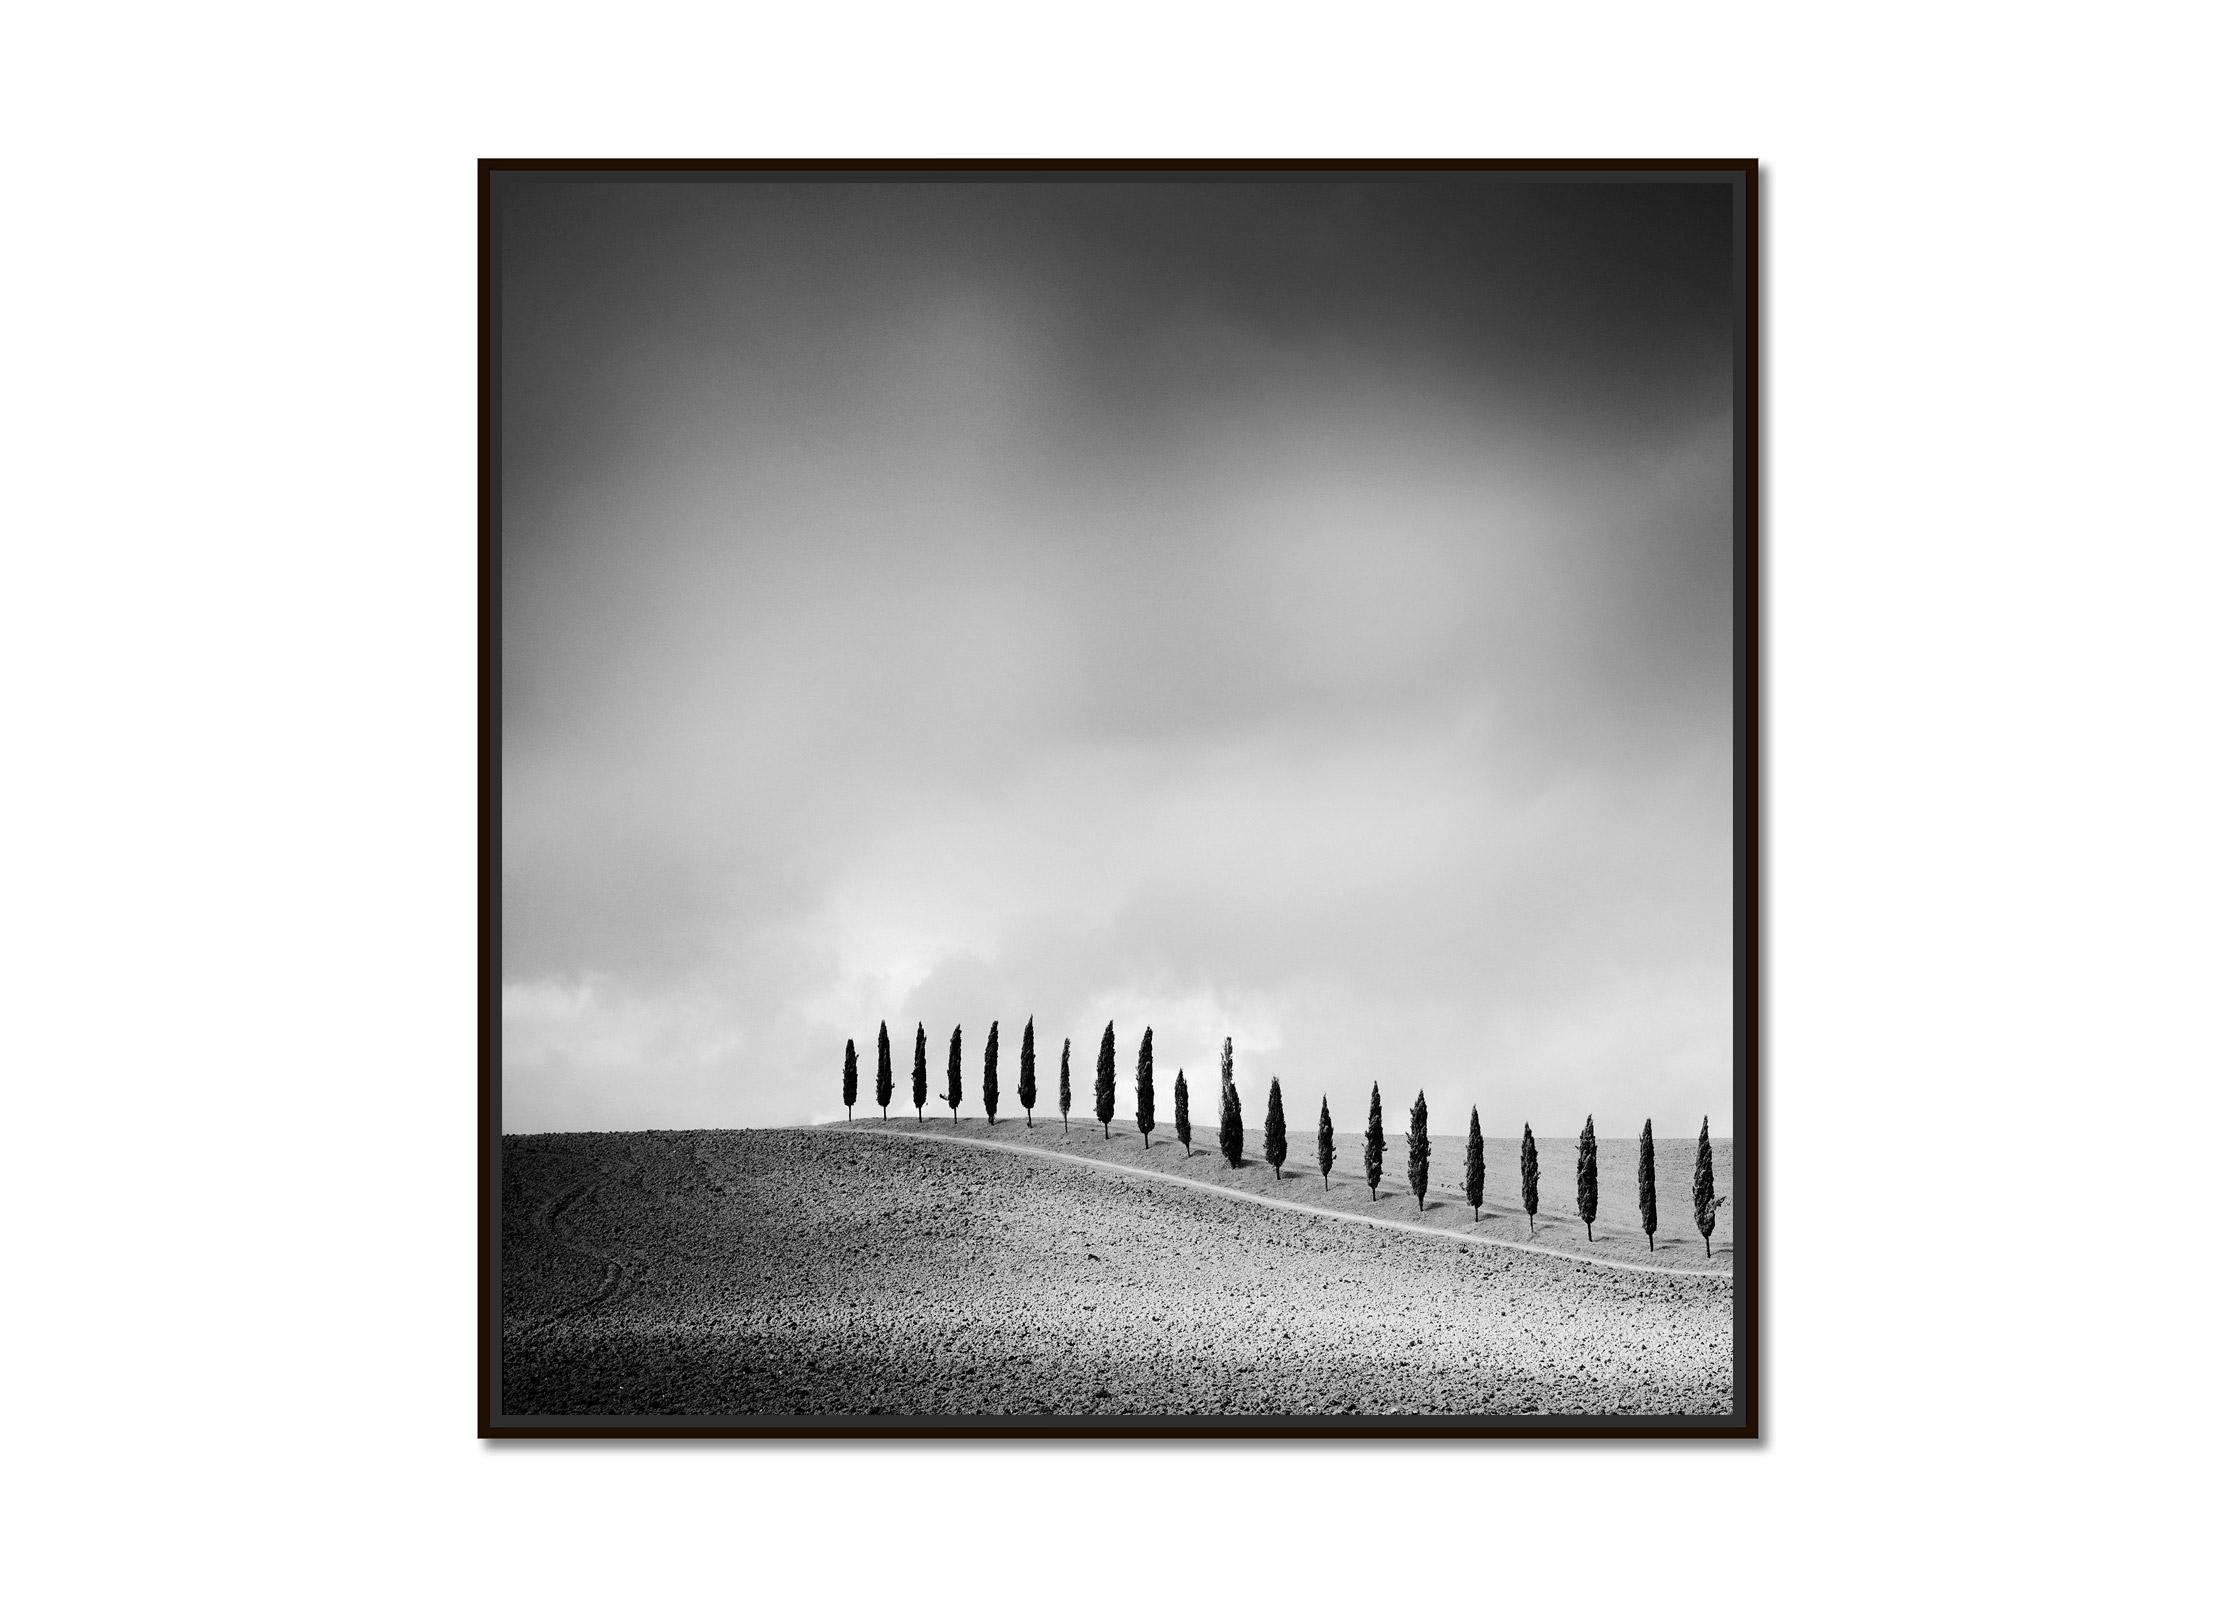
[990,1085]
[1588,1176]
[1274,1145]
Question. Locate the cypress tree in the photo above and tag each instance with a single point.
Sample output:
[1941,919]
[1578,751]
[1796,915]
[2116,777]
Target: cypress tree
[1065,1086]
[988,1089]
[883,1085]
[1646,1181]
[1026,1071]
[848,1080]
[955,1096]
[1590,1181]
[1182,1111]
[1273,1144]
[1144,1106]
[1107,1088]
[1325,1143]
[1232,1108]
[1707,1208]
[1372,1142]
[1529,1161]
[918,1074]
[1474,1167]
[1419,1148]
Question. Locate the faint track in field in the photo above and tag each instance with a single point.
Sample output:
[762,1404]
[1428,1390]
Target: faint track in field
[617,1276]
[1450,1234]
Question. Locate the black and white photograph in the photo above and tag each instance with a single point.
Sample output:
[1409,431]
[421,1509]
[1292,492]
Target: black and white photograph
[1119,798]
[1425,801]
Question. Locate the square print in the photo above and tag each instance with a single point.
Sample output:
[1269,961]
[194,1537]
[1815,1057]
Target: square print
[1119,799]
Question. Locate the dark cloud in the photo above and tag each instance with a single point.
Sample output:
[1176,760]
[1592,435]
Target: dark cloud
[1295,610]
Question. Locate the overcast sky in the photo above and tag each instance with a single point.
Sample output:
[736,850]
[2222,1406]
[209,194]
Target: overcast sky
[1294,611]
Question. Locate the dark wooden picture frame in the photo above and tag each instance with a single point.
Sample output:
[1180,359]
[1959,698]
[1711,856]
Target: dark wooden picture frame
[1742,1423]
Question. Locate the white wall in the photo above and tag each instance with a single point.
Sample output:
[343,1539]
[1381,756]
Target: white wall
[239,840]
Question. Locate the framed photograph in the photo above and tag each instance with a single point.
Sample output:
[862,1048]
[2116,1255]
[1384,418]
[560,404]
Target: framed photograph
[1119,798]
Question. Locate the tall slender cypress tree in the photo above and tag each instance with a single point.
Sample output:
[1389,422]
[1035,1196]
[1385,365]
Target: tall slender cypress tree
[1325,1143]
[1474,1167]
[1419,1148]
[1372,1142]
[1232,1108]
[988,1088]
[955,1096]
[1144,1106]
[1528,1161]
[1707,1207]
[883,1084]
[918,1074]
[848,1080]
[1107,1087]
[1065,1085]
[1273,1144]
[1590,1181]
[1646,1181]
[1182,1112]
[1026,1070]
